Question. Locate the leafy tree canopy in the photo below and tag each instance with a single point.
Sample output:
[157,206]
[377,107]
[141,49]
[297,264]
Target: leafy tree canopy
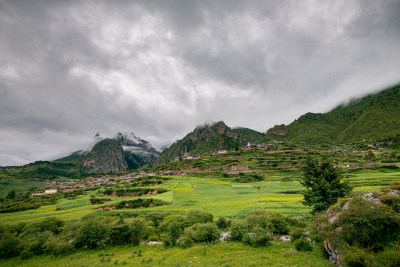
[323,183]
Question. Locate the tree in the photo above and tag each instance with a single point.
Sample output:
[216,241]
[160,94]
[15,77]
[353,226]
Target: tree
[92,233]
[323,183]
[11,195]
[370,155]
[236,145]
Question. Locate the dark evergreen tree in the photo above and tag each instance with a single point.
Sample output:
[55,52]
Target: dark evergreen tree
[323,183]
[236,145]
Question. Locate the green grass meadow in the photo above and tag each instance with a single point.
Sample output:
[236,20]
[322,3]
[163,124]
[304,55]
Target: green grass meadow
[219,254]
[219,197]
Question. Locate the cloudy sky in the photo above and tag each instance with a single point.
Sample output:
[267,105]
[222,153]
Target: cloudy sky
[159,68]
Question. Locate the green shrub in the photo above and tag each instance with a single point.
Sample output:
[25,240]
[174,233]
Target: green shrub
[238,229]
[357,257]
[138,228]
[9,246]
[185,242]
[368,225]
[222,223]
[53,245]
[92,233]
[198,216]
[388,257]
[302,245]
[121,234]
[260,237]
[203,232]
[392,201]
[273,221]
[156,217]
[258,218]
[296,234]
[279,223]
[52,224]
[172,232]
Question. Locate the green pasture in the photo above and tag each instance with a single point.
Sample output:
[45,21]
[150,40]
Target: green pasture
[220,254]
[8,184]
[219,197]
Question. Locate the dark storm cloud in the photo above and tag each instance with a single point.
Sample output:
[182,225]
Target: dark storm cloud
[159,68]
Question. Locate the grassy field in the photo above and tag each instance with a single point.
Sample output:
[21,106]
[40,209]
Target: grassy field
[220,197]
[19,185]
[220,254]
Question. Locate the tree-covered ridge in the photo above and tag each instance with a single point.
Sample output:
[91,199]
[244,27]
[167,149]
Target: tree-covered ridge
[371,117]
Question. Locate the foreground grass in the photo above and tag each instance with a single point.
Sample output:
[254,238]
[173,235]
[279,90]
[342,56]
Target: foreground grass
[220,254]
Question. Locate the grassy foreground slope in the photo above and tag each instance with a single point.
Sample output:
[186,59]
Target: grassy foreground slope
[220,254]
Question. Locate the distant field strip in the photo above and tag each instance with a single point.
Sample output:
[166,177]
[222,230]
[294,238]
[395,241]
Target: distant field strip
[181,189]
[291,199]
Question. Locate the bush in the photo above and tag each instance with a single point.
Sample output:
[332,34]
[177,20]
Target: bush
[156,217]
[121,234]
[368,225]
[273,221]
[138,229]
[52,224]
[173,231]
[206,232]
[222,223]
[198,216]
[185,242]
[92,233]
[279,223]
[296,234]
[260,238]
[55,246]
[238,229]
[356,257]
[302,245]
[258,218]
[9,246]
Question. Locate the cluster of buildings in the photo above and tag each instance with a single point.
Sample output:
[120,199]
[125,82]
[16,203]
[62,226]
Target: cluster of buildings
[55,186]
[248,147]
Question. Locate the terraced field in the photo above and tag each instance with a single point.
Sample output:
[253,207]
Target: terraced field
[220,197]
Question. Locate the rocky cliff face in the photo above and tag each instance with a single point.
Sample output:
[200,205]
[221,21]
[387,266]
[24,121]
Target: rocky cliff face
[137,151]
[107,156]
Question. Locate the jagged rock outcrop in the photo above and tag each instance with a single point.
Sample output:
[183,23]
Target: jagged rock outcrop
[106,156]
[137,151]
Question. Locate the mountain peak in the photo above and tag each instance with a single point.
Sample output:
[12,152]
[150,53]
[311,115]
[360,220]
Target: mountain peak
[209,138]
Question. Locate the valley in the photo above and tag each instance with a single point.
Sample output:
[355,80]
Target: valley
[218,191]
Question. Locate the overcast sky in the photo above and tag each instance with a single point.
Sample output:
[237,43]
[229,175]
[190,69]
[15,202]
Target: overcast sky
[159,68]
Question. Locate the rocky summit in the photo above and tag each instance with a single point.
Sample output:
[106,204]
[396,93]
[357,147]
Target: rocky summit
[210,138]
[107,156]
[137,151]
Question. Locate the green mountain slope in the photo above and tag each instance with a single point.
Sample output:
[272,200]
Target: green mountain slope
[210,138]
[371,117]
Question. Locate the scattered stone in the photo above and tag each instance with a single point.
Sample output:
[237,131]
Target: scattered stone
[285,238]
[370,197]
[225,236]
[394,193]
